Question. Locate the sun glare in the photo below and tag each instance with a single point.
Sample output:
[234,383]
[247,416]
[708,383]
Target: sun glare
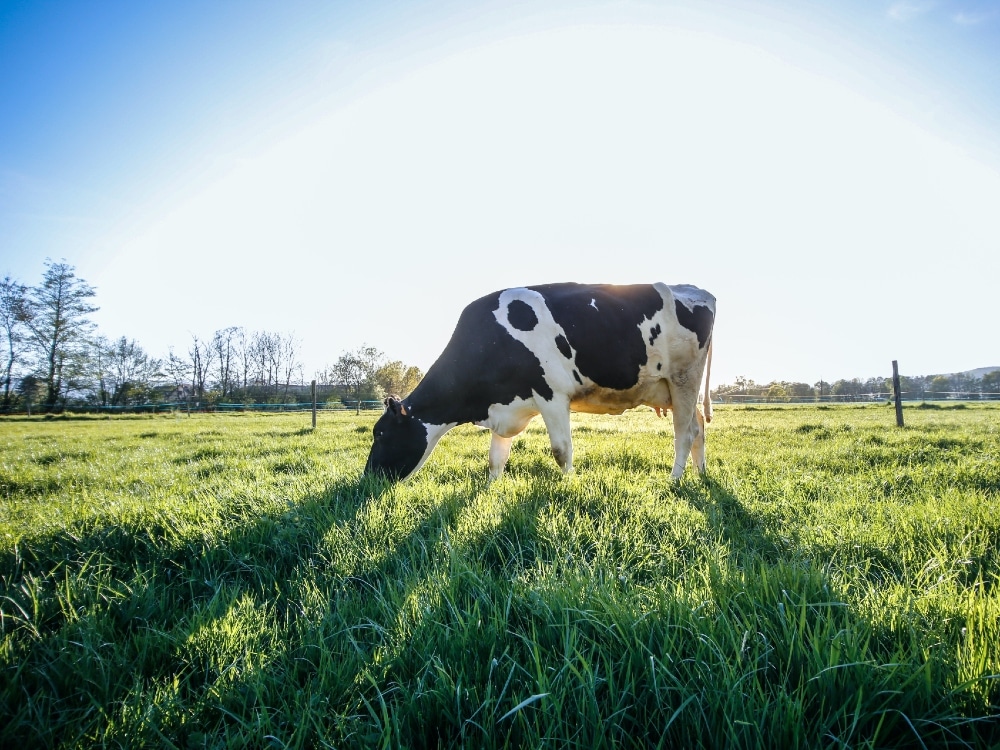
[594,153]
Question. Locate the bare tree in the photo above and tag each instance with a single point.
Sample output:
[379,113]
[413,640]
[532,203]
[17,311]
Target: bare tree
[130,371]
[265,354]
[223,347]
[290,364]
[177,370]
[200,354]
[14,314]
[59,326]
[270,360]
[243,344]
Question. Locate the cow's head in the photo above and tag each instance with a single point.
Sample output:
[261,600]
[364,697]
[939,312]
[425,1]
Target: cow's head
[400,442]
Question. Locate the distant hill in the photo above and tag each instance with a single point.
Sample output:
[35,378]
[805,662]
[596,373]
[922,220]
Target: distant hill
[978,372]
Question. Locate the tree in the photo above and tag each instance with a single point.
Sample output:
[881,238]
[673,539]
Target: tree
[991,382]
[876,387]
[30,388]
[289,364]
[59,326]
[847,390]
[963,384]
[224,355]
[777,392]
[243,343]
[200,355]
[913,386]
[800,391]
[268,361]
[940,385]
[355,371]
[14,314]
[128,372]
[395,378]
[178,371]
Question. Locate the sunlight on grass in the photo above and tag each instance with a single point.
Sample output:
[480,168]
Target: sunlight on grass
[219,580]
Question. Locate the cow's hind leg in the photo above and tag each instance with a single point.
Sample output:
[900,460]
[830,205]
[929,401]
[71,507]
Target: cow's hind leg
[499,453]
[555,413]
[686,428]
[698,445]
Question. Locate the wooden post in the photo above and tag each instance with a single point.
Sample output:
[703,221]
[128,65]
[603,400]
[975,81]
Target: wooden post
[314,403]
[895,388]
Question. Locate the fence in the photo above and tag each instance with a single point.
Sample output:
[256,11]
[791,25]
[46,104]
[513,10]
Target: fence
[858,398]
[206,407]
[345,406]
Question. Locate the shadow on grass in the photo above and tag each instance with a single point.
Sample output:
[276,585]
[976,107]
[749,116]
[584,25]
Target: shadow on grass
[908,690]
[387,629]
[105,617]
[93,617]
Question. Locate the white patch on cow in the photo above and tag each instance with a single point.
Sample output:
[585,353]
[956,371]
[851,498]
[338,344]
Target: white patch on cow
[434,434]
[505,421]
[540,340]
[593,304]
[508,420]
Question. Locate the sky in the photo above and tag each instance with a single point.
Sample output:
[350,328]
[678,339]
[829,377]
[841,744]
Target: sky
[356,173]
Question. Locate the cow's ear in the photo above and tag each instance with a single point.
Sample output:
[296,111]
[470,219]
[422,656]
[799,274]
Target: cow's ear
[395,407]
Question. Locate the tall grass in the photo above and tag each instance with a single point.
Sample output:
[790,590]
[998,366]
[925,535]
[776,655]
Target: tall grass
[230,581]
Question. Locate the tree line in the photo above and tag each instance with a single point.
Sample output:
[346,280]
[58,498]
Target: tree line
[959,385]
[56,359]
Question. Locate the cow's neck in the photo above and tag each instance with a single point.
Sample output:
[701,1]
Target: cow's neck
[425,403]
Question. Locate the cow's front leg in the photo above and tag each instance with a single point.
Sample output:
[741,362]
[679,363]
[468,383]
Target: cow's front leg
[555,413]
[499,453]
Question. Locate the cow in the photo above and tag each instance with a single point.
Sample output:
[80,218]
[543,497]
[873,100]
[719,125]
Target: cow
[552,349]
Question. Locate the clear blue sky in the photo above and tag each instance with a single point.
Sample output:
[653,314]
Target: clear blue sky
[357,172]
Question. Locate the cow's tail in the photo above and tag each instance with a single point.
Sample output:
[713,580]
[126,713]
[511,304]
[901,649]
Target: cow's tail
[707,401]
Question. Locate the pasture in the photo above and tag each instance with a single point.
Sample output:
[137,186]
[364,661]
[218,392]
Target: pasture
[228,581]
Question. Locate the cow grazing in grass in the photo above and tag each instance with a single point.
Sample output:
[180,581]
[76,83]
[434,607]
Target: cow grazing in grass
[552,349]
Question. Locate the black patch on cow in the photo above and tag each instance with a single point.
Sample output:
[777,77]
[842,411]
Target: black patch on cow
[700,321]
[563,346]
[398,444]
[521,316]
[608,342]
[481,365]
[654,333]
[577,376]
[659,366]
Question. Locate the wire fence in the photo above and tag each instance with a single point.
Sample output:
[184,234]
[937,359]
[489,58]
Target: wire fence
[854,398]
[207,407]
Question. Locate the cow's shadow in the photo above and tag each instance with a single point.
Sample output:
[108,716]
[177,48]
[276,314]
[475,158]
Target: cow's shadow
[366,605]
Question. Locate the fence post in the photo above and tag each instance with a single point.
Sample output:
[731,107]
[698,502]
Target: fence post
[314,403]
[895,388]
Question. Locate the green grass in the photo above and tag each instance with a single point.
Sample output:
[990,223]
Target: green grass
[229,581]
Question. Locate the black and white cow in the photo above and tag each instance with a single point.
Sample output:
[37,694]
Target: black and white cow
[552,349]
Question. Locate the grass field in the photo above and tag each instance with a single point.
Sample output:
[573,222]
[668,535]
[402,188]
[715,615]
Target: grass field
[228,581]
